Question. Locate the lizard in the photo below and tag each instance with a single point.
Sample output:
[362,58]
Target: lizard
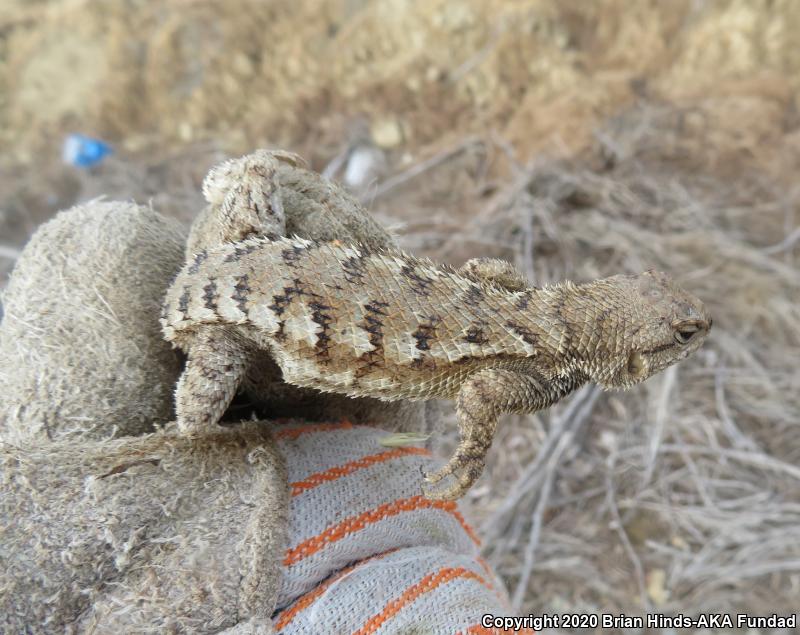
[351,319]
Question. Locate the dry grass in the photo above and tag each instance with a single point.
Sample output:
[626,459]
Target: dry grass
[650,137]
[681,496]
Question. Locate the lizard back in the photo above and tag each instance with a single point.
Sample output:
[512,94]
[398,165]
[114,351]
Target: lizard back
[343,318]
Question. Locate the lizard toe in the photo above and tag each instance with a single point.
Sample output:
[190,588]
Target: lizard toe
[464,475]
[438,475]
[450,492]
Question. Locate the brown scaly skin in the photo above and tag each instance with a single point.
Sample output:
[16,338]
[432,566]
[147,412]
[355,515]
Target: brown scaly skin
[351,320]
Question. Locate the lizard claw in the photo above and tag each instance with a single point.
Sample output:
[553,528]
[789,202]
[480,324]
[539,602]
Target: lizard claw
[466,472]
[438,475]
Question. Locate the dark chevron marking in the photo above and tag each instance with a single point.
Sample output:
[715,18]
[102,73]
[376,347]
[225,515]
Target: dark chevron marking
[419,284]
[198,260]
[523,300]
[281,302]
[528,336]
[476,335]
[291,255]
[373,324]
[354,269]
[426,332]
[321,316]
[280,334]
[210,295]
[239,251]
[241,289]
[424,362]
[474,296]
[183,301]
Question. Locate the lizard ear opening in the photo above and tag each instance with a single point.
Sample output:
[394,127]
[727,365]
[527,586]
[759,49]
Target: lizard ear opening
[636,365]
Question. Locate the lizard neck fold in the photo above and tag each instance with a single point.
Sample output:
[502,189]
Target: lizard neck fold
[592,318]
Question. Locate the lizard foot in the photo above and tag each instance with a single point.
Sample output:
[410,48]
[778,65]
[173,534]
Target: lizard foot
[464,470]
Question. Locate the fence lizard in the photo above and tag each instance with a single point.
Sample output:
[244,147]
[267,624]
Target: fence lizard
[350,319]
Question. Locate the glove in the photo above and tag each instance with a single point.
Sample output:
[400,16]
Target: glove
[366,551]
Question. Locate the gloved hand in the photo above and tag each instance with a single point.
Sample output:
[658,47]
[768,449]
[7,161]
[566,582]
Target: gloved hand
[366,551]
[93,533]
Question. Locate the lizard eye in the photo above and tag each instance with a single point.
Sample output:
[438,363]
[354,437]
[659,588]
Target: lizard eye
[684,334]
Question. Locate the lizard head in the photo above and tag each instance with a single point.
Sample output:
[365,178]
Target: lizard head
[660,324]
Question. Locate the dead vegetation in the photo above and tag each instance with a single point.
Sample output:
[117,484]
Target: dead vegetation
[682,496]
[578,140]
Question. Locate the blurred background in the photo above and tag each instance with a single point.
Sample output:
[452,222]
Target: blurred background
[576,139]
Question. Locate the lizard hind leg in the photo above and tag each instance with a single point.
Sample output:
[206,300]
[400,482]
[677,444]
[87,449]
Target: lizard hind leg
[482,398]
[215,368]
[244,199]
[495,271]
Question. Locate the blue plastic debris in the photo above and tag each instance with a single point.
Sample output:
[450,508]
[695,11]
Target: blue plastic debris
[83,152]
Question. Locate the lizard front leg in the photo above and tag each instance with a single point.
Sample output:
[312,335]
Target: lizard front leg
[216,365]
[482,398]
